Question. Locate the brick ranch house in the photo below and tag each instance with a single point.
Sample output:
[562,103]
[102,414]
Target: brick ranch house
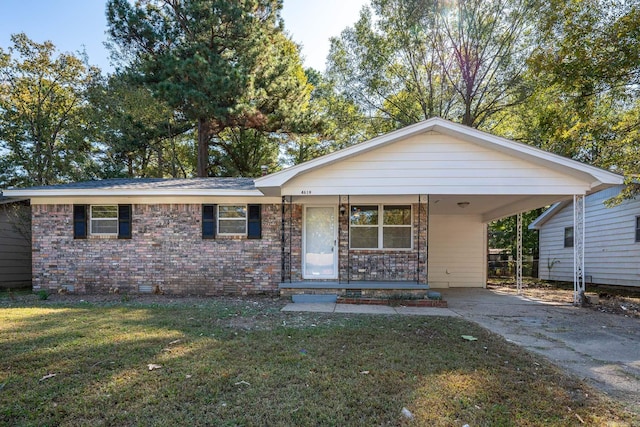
[404,211]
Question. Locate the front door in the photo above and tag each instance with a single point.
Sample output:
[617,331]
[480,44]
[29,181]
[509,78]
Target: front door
[320,249]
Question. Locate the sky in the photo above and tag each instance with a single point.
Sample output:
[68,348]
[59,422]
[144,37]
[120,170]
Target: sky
[77,25]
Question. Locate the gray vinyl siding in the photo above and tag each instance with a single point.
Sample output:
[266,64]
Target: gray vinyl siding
[15,252]
[612,256]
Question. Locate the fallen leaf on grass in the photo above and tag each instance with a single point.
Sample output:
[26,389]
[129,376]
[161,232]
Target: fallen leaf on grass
[46,377]
[364,372]
[174,342]
[407,413]
[153,366]
[243,382]
[469,338]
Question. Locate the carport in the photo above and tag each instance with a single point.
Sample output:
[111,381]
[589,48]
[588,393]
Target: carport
[452,179]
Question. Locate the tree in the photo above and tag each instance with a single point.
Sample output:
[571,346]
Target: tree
[585,75]
[45,137]
[223,64]
[503,233]
[139,135]
[417,59]
[331,122]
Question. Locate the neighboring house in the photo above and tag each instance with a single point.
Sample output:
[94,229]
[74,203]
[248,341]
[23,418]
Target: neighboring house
[15,244]
[405,210]
[611,245]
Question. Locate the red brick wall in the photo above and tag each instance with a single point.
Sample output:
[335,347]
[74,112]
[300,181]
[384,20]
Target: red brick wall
[166,251]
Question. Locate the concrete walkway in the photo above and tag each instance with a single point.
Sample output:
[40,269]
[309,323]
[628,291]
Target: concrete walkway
[603,349]
[368,309]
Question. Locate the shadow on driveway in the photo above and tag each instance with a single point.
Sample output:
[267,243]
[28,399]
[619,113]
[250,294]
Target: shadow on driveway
[601,348]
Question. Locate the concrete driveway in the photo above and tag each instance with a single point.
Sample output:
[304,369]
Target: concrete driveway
[603,349]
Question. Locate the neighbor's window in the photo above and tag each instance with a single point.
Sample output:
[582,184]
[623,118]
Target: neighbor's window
[232,219]
[380,227]
[104,220]
[638,229]
[568,237]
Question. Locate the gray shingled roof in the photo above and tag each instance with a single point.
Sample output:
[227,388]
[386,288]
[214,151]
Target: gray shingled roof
[156,184]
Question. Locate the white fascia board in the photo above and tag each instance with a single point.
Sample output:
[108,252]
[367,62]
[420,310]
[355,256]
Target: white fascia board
[129,193]
[548,214]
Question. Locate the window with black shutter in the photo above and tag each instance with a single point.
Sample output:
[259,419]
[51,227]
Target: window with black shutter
[209,221]
[254,222]
[638,229]
[79,221]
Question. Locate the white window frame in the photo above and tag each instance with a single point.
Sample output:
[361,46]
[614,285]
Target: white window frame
[244,220]
[381,226]
[92,219]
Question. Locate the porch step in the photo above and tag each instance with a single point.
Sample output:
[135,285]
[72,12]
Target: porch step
[314,299]
[434,295]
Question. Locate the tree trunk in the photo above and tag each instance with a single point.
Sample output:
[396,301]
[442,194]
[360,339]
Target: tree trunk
[203,147]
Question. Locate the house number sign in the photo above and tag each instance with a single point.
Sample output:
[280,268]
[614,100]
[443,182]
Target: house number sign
[305,192]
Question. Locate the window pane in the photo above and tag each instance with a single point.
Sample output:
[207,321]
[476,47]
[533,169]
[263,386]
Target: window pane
[397,215]
[104,211]
[568,237]
[364,215]
[233,227]
[396,237]
[103,226]
[232,211]
[364,237]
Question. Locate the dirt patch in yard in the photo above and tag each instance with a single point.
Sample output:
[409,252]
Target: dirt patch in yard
[620,300]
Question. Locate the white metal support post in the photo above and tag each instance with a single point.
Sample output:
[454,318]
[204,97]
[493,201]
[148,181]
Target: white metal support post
[578,248]
[519,253]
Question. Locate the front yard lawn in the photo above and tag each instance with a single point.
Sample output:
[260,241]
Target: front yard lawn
[242,362]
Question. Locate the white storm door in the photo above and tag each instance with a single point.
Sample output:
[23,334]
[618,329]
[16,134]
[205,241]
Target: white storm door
[320,250]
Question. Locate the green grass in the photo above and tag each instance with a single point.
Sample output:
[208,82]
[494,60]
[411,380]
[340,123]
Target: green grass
[234,362]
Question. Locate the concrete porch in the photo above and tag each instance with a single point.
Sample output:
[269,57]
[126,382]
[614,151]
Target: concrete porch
[378,293]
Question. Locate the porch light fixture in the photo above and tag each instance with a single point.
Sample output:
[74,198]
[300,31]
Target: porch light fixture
[342,210]
[463,205]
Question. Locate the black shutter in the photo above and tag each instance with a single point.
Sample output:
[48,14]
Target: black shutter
[124,221]
[209,221]
[79,221]
[254,223]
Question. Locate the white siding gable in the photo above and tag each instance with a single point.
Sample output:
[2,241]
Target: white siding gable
[433,163]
